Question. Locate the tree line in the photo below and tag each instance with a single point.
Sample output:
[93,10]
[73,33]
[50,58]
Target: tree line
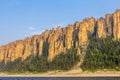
[102,54]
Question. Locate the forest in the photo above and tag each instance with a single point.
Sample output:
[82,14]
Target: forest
[102,53]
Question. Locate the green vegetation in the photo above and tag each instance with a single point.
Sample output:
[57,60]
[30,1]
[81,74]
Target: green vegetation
[102,54]
[64,61]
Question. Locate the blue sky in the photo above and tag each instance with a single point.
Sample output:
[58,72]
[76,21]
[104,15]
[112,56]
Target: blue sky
[21,18]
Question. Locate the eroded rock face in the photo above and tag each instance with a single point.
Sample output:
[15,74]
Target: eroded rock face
[101,32]
[77,24]
[90,24]
[59,46]
[116,27]
[2,52]
[53,42]
[83,34]
[69,37]
[109,24]
[40,43]
[51,49]
[10,52]
[27,48]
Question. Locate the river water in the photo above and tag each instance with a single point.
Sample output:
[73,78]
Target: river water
[59,78]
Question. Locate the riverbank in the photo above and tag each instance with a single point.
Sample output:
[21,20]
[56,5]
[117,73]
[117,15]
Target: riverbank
[72,73]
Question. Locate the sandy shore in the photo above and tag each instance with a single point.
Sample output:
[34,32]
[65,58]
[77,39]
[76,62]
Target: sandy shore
[72,73]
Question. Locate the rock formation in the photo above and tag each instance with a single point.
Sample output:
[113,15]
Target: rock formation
[52,42]
[116,27]
[109,24]
[101,32]
[82,34]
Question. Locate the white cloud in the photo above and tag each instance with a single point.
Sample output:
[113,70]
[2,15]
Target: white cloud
[56,25]
[36,32]
[31,33]
[31,28]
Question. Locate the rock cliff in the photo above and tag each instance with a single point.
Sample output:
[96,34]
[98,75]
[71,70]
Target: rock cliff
[53,42]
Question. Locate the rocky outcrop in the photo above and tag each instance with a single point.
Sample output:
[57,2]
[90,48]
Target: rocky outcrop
[116,27]
[101,32]
[109,24]
[40,46]
[90,24]
[82,34]
[55,41]
[69,37]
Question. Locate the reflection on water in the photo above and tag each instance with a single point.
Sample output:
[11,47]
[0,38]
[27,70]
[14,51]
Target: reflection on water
[59,78]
